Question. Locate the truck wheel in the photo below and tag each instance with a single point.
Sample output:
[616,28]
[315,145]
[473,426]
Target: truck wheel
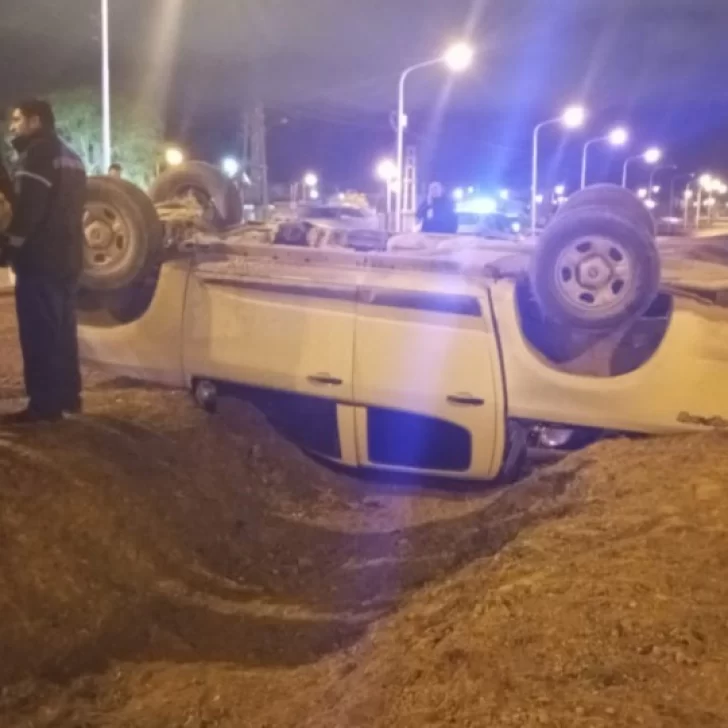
[594,270]
[205,395]
[151,219]
[216,193]
[124,237]
[618,200]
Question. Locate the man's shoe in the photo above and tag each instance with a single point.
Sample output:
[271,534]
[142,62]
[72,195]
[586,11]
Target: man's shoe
[29,417]
[74,408]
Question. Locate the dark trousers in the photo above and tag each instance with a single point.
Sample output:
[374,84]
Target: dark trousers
[46,311]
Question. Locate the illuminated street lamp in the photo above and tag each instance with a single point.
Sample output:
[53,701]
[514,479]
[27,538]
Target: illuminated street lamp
[618,137]
[652,156]
[560,190]
[230,166]
[458,57]
[174,156]
[310,186]
[504,195]
[572,118]
[386,170]
[458,194]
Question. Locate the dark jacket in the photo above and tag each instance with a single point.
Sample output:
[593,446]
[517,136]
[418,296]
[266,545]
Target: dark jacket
[6,183]
[438,215]
[46,234]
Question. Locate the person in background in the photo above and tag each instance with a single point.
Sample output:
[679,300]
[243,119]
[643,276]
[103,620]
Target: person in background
[437,213]
[44,244]
[115,170]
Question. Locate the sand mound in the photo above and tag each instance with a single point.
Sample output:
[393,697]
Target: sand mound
[104,518]
[592,594]
[612,615]
[161,568]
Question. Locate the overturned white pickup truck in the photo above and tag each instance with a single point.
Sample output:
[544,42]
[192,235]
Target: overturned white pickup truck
[443,356]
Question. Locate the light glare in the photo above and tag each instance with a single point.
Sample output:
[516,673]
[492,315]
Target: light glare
[386,170]
[459,57]
[652,155]
[174,156]
[230,166]
[618,137]
[574,117]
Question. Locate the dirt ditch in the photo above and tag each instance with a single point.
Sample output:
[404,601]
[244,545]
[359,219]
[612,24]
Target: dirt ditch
[159,567]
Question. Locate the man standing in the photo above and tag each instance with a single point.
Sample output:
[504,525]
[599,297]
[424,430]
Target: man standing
[437,212]
[44,243]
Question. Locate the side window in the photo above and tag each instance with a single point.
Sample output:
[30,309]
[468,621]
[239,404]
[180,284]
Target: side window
[406,440]
[310,422]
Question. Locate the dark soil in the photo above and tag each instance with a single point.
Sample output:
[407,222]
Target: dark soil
[160,567]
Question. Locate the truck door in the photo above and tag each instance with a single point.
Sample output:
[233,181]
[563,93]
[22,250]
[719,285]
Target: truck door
[291,338]
[427,384]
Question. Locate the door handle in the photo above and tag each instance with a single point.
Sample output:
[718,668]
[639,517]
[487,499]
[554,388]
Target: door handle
[326,379]
[463,398]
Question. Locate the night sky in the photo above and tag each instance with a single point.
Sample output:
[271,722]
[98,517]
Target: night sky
[327,72]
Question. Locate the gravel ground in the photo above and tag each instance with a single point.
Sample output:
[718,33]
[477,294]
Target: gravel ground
[159,567]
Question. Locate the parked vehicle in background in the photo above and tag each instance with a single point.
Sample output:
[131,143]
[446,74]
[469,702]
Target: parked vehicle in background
[490,225]
[669,225]
[341,216]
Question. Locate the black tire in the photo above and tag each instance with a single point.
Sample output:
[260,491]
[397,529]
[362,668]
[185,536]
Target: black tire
[612,198]
[215,192]
[594,270]
[124,238]
[151,219]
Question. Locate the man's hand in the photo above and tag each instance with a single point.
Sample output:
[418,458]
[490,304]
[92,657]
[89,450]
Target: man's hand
[6,217]
[6,213]
[4,252]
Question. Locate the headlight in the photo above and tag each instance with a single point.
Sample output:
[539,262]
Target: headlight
[554,437]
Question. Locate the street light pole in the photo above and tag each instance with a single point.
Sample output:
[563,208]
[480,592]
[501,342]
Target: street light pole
[401,123]
[105,87]
[534,172]
[626,167]
[618,137]
[700,205]
[457,57]
[687,196]
[672,188]
[652,177]
[584,155]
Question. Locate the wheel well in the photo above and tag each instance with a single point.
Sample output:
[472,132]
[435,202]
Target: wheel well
[620,352]
[115,308]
